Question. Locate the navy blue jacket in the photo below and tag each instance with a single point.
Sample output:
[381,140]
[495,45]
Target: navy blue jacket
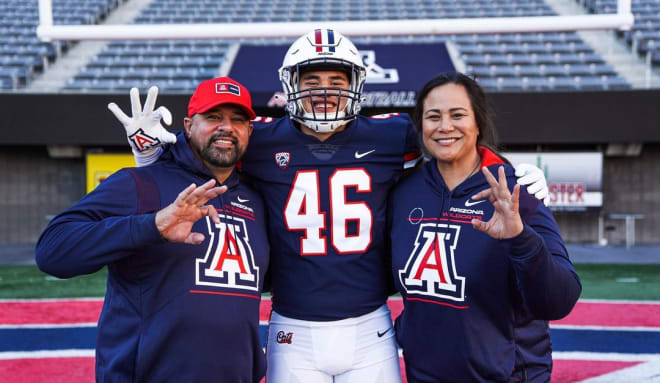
[465,293]
[172,312]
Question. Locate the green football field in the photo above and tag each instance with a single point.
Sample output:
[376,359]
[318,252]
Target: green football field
[599,281]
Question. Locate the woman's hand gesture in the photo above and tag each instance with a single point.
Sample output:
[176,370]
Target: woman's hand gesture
[505,222]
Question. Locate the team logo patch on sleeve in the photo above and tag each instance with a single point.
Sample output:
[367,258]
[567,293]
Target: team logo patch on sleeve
[225,87]
[282,159]
[141,141]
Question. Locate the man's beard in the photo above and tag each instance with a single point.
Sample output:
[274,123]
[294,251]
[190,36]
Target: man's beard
[221,157]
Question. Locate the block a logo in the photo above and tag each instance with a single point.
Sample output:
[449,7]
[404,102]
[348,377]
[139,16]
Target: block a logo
[430,269]
[229,260]
[141,141]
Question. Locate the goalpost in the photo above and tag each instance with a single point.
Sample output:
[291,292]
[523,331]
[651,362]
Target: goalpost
[47,31]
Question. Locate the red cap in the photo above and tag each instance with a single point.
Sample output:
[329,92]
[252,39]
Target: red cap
[218,91]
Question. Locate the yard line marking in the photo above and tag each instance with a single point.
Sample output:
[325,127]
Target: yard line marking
[603,328]
[643,372]
[605,356]
[40,300]
[619,301]
[41,325]
[46,354]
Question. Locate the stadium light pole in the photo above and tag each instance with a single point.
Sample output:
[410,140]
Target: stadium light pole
[47,31]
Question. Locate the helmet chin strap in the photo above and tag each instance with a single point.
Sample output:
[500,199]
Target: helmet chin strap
[323,126]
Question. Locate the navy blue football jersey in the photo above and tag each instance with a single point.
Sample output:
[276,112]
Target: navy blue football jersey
[326,205]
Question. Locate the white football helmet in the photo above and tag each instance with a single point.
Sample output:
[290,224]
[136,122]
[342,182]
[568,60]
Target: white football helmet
[325,49]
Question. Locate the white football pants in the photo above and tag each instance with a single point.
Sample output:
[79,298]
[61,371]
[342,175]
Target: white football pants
[353,350]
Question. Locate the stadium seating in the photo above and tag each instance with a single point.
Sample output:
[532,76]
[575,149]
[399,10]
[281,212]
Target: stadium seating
[644,37]
[501,62]
[22,55]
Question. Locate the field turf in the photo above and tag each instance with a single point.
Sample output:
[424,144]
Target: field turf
[599,281]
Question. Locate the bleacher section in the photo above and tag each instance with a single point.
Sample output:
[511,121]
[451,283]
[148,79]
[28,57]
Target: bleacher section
[175,66]
[500,62]
[22,55]
[644,37]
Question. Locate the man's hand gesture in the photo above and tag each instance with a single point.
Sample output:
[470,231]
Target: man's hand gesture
[175,221]
[144,130]
[505,222]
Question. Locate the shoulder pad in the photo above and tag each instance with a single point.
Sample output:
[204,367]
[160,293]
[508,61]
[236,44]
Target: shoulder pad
[263,120]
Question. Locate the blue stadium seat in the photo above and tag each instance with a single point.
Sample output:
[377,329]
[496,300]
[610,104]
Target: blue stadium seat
[7,82]
[578,69]
[498,59]
[509,84]
[527,70]
[535,83]
[479,71]
[489,84]
[521,59]
[563,83]
[615,83]
[593,83]
[543,58]
[552,70]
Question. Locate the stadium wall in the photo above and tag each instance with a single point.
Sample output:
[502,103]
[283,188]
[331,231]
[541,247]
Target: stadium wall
[33,187]
[36,185]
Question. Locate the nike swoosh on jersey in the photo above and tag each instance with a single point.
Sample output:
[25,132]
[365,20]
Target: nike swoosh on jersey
[241,200]
[360,155]
[468,203]
[380,334]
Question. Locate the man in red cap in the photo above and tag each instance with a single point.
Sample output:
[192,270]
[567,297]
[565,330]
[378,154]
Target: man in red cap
[174,312]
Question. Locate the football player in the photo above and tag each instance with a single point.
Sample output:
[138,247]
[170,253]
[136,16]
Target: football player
[325,172]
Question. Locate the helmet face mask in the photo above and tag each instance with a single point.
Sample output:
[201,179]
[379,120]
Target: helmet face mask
[318,51]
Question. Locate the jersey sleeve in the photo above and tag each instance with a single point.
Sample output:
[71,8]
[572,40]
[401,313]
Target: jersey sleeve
[547,280]
[412,153]
[103,227]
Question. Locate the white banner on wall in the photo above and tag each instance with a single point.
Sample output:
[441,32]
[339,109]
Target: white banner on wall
[575,179]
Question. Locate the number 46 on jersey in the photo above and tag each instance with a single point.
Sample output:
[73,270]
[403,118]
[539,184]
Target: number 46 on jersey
[302,212]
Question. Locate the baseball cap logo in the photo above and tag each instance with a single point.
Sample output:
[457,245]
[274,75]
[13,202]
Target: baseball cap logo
[225,87]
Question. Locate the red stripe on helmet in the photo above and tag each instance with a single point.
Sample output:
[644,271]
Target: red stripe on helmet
[318,40]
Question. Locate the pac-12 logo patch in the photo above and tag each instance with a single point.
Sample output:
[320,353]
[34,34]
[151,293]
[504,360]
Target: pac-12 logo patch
[431,269]
[142,141]
[282,159]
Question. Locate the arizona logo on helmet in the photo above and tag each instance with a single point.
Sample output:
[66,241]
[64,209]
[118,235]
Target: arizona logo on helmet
[324,41]
[142,141]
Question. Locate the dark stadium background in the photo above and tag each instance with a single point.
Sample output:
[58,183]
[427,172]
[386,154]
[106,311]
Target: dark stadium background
[39,179]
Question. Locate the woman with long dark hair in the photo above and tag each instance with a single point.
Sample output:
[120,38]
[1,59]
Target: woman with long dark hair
[475,258]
